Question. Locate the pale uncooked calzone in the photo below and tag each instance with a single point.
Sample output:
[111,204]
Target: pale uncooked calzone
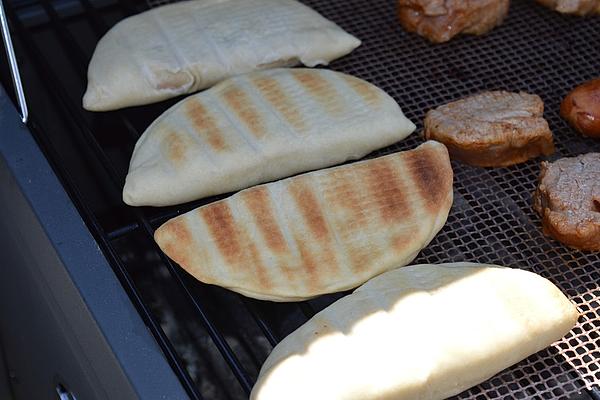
[259,127]
[184,47]
[422,332]
[321,232]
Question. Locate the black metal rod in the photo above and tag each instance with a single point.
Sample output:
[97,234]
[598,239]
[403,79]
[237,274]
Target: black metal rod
[255,313]
[122,231]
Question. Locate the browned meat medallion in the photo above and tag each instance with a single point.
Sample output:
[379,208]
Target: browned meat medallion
[441,20]
[577,7]
[581,107]
[568,200]
[492,129]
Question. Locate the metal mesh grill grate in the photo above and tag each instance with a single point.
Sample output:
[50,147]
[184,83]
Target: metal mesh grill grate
[217,340]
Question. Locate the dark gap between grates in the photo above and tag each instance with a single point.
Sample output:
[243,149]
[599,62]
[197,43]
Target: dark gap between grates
[492,221]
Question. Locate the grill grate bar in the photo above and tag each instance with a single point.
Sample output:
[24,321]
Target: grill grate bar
[94,17]
[68,39]
[213,331]
[122,231]
[266,329]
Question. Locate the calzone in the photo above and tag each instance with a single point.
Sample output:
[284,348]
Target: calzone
[259,127]
[187,46]
[423,332]
[321,232]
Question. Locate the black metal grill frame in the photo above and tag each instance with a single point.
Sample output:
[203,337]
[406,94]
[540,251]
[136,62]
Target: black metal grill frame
[472,231]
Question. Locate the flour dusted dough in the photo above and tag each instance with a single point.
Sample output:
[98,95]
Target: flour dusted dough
[421,332]
[259,127]
[184,47]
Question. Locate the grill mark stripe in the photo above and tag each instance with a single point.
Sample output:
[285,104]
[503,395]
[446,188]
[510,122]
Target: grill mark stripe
[232,241]
[259,268]
[272,91]
[176,148]
[368,93]
[205,125]
[313,214]
[346,196]
[430,176]
[259,204]
[387,189]
[308,264]
[239,102]
[221,226]
[309,207]
[233,125]
[320,89]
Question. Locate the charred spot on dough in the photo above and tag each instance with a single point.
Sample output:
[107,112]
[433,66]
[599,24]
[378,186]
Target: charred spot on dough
[241,105]
[259,204]
[429,176]
[204,124]
[388,191]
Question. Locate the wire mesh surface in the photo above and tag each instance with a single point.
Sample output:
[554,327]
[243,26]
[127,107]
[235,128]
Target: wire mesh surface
[216,340]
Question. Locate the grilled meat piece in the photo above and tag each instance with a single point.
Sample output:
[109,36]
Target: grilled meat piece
[492,129]
[581,108]
[576,7]
[441,20]
[568,200]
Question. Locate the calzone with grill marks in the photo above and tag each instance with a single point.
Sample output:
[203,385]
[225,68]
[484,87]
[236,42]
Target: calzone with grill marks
[321,232]
[259,127]
[184,47]
[423,332]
